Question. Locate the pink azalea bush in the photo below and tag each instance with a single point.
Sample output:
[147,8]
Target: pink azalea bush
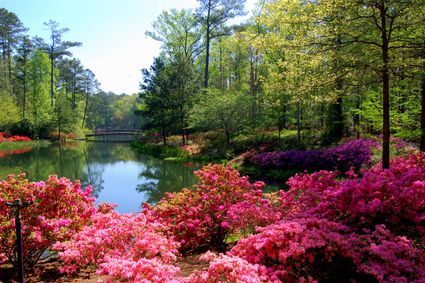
[394,197]
[228,268]
[368,228]
[221,204]
[126,247]
[60,208]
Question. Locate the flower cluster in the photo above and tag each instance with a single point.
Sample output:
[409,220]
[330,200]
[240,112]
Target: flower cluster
[59,209]
[4,137]
[221,204]
[352,154]
[228,268]
[124,246]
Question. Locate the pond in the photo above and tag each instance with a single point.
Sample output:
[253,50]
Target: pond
[117,173]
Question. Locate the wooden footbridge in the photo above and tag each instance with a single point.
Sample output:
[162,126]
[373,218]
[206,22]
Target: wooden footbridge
[114,135]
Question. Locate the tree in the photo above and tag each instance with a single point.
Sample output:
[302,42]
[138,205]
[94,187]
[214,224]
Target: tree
[380,28]
[56,50]
[24,51]
[179,32]
[71,77]
[213,14]
[156,97]
[10,30]
[226,112]
[39,109]
[90,85]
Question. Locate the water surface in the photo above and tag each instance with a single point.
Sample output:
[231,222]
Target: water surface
[117,173]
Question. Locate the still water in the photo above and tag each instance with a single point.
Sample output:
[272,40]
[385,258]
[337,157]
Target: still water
[117,173]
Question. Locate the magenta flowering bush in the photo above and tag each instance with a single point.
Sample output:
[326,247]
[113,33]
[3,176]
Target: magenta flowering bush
[318,249]
[221,204]
[60,209]
[126,247]
[394,197]
[352,154]
[363,229]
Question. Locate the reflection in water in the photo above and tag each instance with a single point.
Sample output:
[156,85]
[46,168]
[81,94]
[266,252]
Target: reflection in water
[116,172]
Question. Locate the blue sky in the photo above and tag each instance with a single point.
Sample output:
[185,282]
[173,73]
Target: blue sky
[114,47]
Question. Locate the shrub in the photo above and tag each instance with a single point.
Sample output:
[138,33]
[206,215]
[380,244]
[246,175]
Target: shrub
[228,268]
[368,228]
[394,197]
[352,154]
[221,204]
[60,208]
[317,249]
[126,247]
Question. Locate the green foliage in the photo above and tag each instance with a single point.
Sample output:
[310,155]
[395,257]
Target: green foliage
[9,113]
[161,151]
[224,112]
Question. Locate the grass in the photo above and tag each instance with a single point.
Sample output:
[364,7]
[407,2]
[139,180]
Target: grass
[20,145]
[161,151]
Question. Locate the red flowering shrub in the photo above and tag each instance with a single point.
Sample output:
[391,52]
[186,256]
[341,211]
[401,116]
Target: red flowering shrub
[60,208]
[222,203]
[9,138]
[124,246]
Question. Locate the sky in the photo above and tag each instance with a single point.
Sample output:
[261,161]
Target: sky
[112,32]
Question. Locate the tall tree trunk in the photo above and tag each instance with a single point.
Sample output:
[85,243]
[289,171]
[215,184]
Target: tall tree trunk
[24,98]
[422,140]
[207,47]
[385,92]
[9,68]
[52,67]
[85,110]
[299,121]
[207,59]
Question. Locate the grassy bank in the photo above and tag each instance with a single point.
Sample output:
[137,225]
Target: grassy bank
[4,146]
[161,151]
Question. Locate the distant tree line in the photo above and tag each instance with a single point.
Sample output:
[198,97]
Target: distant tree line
[44,91]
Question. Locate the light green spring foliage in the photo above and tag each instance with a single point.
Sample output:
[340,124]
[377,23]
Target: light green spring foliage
[226,112]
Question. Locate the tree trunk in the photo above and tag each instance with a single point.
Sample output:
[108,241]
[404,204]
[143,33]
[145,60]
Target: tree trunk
[9,67]
[52,92]
[164,138]
[385,93]
[422,141]
[207,47]
[85,110]
[207,59]
[299,121]
[24,102]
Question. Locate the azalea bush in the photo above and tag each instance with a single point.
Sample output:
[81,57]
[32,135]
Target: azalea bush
[368,228]
[317,249]
[352,154]
[394,197]
[4,137]
[59,209]
[126,247]
[221,204]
